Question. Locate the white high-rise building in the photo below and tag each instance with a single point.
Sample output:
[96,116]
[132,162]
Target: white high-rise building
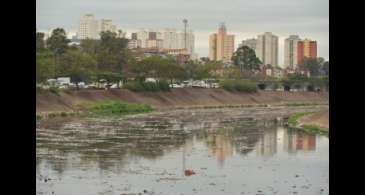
[143,36]
[170,39]
[107,25]
[88,27]
[267,48]
[291,51]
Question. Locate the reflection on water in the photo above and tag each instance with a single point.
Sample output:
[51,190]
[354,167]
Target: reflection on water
[106,158]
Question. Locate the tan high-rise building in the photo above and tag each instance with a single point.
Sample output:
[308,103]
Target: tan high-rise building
[221,45]
[88,27]
[267,48]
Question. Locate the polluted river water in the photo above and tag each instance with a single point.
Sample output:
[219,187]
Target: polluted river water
[207,151]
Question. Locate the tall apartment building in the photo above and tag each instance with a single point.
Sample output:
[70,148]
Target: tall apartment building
[306,48]
[143,36]
[88,27]
[251,43]
[190,41]
[155,43]
[170,38]
[221,45]
[107,25]
[267,48]
[291,51]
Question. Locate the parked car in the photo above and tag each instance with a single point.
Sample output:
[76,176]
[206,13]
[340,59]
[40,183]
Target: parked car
[215,85]
[150,80]
[91,86]
[63,80]
[114,86]
[200,84]
[187,83]
[175,85]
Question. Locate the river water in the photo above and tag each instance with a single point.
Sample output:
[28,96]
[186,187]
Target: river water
[231,151]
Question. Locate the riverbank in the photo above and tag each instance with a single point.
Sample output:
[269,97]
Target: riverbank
[320,119]
[69,100]
[317,122]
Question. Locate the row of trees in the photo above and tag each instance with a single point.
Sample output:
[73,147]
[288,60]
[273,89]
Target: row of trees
[106,57]
[109,59]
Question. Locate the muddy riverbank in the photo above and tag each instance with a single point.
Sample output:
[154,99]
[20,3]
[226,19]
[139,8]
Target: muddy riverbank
[67,101]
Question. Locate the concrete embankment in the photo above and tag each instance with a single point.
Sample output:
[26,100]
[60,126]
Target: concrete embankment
[69,100]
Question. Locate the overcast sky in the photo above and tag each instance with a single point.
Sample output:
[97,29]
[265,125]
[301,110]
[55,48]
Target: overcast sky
[243,18]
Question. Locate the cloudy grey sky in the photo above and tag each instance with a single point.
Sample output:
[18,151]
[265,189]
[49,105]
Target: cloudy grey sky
[243,18]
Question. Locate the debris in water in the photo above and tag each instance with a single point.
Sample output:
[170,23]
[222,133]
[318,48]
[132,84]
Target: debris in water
[189,172]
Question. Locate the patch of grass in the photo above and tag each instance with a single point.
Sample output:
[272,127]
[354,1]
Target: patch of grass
[117,108]
[293,119]
[313,129]
[239,85]
[301,104]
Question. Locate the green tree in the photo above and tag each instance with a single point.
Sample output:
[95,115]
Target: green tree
[170,70]
[40,41]
[77,65]
[44,66]
[90,46]
[190,69]
[326,68]
[112,52]
[58,42]
[245,58]
[313,65]
[143,68]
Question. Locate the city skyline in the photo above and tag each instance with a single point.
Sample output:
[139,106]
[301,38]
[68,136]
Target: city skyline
[284,18]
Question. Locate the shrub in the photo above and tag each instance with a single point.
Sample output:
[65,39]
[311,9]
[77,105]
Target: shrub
[310,88]
[52,115]
[147,86]
[63,114]
[38,117]
[134,86]
[262,86]
[54,90]
[164,85]
[239,85]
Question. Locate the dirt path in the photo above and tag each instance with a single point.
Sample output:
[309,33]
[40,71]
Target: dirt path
[320,119]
